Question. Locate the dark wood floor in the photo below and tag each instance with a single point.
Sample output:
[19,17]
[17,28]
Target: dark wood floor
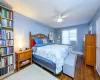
[82,72]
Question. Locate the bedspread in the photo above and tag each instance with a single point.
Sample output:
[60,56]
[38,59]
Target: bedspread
[56,53]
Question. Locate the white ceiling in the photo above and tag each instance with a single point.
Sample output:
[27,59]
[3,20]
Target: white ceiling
[44,11]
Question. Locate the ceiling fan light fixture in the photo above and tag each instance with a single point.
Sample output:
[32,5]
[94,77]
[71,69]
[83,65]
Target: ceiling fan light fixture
[59,20]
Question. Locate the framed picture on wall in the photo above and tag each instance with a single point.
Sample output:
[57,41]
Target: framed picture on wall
[90,29]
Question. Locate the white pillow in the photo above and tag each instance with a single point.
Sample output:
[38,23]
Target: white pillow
[44,41]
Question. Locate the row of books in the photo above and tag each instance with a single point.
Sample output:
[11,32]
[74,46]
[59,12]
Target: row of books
[4,51]
[6,70]
[6,14]
[6,34]
[5,61]
[6,23]
[6,42]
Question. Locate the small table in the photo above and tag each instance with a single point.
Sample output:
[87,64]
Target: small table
[23,58]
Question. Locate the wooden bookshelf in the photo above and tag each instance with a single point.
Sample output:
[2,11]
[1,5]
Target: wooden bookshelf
[6,42]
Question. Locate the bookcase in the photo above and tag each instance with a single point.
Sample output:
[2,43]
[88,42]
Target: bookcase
[6,42]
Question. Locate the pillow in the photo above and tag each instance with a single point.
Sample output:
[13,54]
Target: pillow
[38,40]
[40,45]
[44,41]
[33,43]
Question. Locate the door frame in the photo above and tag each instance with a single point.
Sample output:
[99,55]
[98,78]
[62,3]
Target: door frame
[97,49]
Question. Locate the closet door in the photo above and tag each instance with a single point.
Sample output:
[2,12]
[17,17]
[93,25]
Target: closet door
[98,45]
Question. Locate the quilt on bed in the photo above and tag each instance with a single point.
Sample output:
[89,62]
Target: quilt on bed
[55,53]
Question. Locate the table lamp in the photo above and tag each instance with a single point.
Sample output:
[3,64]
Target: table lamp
[20,46]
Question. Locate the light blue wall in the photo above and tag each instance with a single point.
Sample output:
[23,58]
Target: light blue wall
[81,31]
[23,25]
[93,21]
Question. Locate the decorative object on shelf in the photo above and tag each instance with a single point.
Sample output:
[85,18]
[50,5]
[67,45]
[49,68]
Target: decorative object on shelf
[59,38]
[26,48]
[51,36]
[6,42]
[90,29]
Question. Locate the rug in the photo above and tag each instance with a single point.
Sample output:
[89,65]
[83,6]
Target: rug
[32,72]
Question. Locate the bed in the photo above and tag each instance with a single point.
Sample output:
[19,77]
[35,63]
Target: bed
[50,56]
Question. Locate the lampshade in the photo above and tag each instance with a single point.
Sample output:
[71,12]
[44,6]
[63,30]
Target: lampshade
[20,44]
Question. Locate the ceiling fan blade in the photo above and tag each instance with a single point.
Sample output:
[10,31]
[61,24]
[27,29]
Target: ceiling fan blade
[54,19]
[64,16]
[68,12]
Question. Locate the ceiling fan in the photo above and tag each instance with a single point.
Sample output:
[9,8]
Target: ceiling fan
[60,18]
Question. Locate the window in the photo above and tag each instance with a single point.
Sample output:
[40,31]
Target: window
[69,36]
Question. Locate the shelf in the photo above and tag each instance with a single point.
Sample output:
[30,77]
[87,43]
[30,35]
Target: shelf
[25,64]
[7,28]
[8,19]
[5,46]
[6,66]
[7,55]
[7,74]
[6,39]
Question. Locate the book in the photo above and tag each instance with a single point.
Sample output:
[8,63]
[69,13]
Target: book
[8,17]
[0,42]
[2,62]
[0,51]
[10,24]
[0,16]
[0,33]
[3,32]
[4,13]
[11,15]
[5,51]
[4,23]
[10,60]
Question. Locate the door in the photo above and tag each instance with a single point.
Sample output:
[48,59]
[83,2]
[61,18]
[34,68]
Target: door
[98,45]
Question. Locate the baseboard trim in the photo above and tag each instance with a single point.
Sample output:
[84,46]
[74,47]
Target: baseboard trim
[76,52]
[98,71]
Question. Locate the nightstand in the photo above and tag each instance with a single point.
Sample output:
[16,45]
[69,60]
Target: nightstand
[23,58]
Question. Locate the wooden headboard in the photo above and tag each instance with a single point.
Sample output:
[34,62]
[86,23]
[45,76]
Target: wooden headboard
[34,36]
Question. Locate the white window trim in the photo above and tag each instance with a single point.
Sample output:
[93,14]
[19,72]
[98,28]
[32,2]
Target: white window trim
[69,35]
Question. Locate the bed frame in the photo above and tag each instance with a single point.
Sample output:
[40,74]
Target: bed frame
[49,65]
[33,36]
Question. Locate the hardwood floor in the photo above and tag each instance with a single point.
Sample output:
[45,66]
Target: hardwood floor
[82,72]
